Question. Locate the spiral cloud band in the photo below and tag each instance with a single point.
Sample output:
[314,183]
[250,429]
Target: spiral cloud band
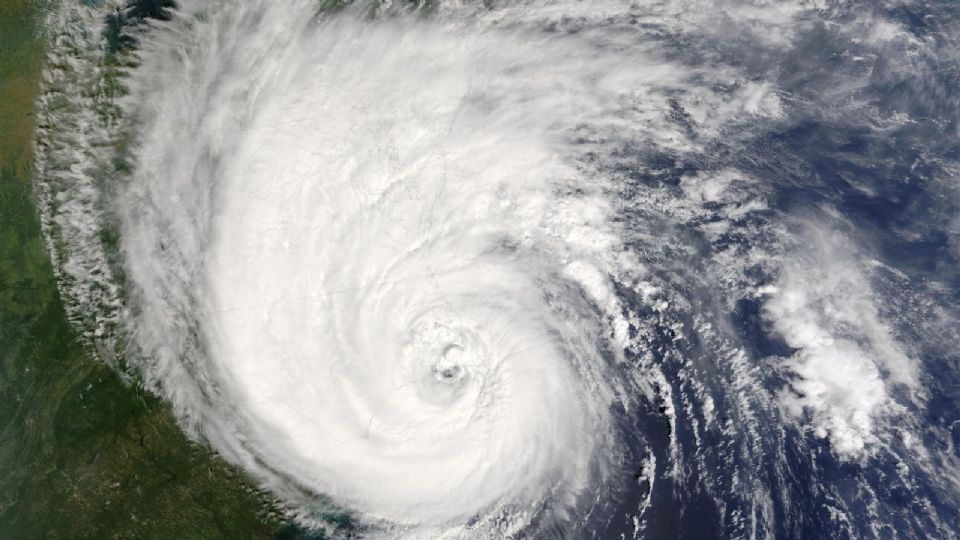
[517,269]
[386,231]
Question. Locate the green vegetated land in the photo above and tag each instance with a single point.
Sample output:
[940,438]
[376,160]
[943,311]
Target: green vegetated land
[82,455]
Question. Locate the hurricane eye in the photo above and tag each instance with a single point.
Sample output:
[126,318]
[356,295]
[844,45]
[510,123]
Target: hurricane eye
[448,373]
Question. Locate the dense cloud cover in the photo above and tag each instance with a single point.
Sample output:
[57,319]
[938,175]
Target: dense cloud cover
[530,268]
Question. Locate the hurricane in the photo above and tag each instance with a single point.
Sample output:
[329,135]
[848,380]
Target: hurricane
[527,269]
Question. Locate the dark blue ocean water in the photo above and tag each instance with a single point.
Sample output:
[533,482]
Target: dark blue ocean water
[894,190]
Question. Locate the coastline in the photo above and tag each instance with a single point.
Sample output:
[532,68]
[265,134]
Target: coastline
[83,454]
